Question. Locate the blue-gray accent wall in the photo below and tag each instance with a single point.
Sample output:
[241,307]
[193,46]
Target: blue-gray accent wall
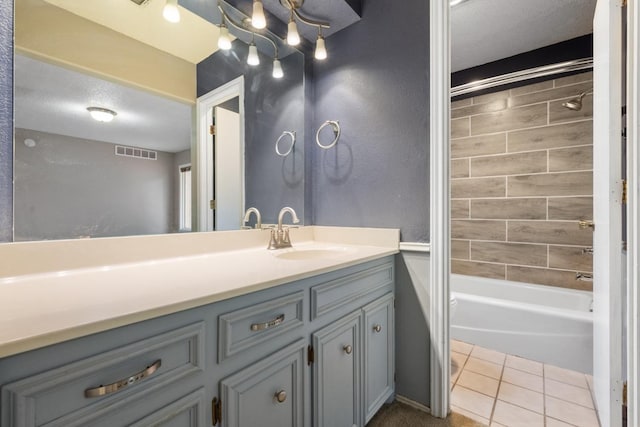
[375,83]
[6,122]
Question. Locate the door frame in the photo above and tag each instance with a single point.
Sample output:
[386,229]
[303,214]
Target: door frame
[204,151]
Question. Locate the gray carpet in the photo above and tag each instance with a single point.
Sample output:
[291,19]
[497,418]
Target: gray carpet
[401,415]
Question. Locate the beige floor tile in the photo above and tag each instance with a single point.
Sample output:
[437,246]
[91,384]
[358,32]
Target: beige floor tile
[479,383]
[472,401]
[570,412]
[522,364]
[488,355]
[520,396]
[461,347]
[522,379]
[551,422]
[471,415]
[494,424]
[458,361]
[568,392]
[512,415]
[565,375]
[483,367]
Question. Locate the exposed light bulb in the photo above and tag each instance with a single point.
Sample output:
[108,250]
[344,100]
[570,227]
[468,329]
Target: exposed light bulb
[171,12]
[293,38]
[101,114]
[321,50]
[224,41]
[277,69]
[253,59]
[258,20]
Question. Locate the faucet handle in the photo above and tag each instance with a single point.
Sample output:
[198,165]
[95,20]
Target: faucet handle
[286,241]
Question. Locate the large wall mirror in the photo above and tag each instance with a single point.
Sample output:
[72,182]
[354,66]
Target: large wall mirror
[78,177]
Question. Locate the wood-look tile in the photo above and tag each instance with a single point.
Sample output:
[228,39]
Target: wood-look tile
[554,136]
[531,88]
[511,119]
[520,208]
[489,107]
[523,379]
[460,209]
[570,393]
[460,168]
[460,249]
[512,415]
[571,159]
[478,269]
[509,253]
[461,103]
[478,229]
[490,97]
[550,232]
[570,412]
[570,208]
[570,258]
[551,184]
[520,396]
[479,145]
[460,127]
[478,187]
[473,401]
[576,78]
[509,164]
[549,94]
[559,114]
[544,276]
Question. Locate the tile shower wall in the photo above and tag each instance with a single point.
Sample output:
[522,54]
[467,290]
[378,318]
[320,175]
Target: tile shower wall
[521,178]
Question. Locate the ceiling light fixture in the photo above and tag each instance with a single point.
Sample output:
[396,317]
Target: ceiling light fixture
[252,58]
[170,11]
[224,41]
[293,38]
[102,114]
[277,69]
[321,49]
[258,20]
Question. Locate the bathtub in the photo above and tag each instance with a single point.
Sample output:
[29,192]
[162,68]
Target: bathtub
[544,323]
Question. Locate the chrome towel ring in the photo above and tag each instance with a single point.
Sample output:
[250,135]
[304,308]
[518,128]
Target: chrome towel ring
[291,135]
[336,131]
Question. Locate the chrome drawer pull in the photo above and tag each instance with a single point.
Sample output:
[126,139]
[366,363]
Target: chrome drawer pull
[347,349]
[281,396]
[377,328]
[119,385]
[270,324]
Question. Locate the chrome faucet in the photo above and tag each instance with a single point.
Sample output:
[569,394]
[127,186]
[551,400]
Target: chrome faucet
[280,236]
[247,216]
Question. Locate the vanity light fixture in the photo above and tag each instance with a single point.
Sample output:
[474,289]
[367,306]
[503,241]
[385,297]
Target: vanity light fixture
[252,58]
[321,50]
[102,114]
[293,38]
[277,69]
[258,20]
[171,12]
[224,41]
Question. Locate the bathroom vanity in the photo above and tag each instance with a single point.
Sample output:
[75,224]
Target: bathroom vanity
[241,336]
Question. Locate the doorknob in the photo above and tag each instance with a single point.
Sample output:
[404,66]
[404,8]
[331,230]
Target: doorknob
[583,224]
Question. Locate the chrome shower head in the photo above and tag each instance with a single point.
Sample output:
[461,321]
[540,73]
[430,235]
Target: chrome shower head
[575,104]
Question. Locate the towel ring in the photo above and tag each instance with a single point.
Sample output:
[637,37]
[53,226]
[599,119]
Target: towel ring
[336,131]
[292,135]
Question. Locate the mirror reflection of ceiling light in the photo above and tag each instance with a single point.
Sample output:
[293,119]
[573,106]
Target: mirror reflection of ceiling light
[456,2]
[30,142]
[102,114]
[224,41]
[258,20]
[171,12]
[253,59]
[277,69]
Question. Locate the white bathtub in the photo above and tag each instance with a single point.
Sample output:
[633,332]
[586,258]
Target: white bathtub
[543,323]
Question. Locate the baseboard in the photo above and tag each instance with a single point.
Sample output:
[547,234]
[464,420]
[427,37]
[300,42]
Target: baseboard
[413,404]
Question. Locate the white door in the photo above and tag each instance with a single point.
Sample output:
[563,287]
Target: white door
[228,171]
[607,215]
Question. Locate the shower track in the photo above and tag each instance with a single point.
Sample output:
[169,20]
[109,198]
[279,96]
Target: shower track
[518,76]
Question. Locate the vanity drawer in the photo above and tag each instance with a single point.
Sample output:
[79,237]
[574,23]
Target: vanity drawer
[242,329]
[350,289]
[94,385]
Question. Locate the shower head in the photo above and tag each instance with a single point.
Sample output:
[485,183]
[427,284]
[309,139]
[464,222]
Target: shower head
[575,104]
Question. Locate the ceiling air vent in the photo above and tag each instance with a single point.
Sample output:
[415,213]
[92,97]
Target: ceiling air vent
[140,153]
[140,2]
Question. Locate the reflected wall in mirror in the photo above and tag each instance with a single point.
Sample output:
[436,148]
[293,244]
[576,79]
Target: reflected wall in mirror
[70,180]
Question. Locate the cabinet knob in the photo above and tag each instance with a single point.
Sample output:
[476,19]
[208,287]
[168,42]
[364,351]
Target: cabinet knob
[281,396]
[377,328]
[347,349]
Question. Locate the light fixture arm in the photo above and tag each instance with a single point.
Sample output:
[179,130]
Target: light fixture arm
[304,19]
[227,18]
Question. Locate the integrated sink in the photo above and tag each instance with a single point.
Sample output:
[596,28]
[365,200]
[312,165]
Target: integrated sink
[305,254]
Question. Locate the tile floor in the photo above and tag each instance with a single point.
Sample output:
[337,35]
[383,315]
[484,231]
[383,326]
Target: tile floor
[501,390]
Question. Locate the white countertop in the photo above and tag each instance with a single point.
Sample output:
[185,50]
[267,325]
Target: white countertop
[55,291]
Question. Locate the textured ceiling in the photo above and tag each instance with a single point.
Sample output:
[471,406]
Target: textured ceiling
[487,30]
[53,99]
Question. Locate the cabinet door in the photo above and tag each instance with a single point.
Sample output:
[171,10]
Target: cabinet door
[336,375]
[269,393]
[378,356]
